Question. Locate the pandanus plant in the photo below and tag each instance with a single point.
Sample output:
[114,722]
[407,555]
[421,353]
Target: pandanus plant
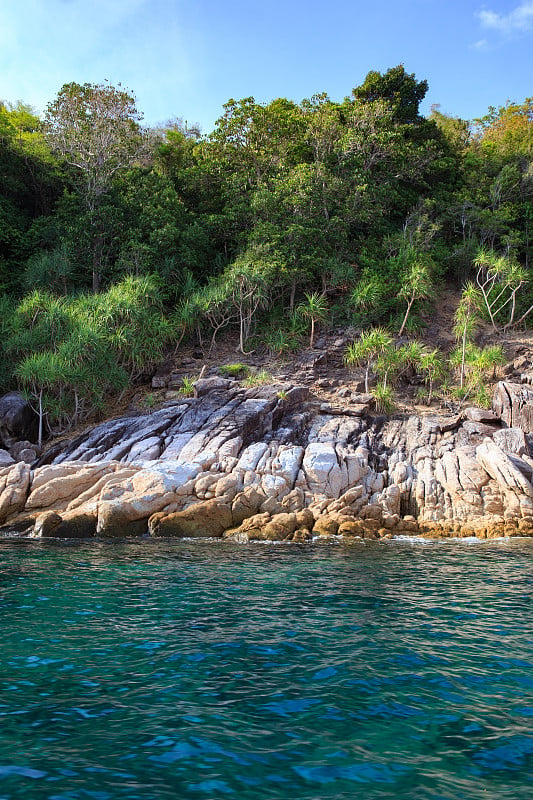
[315,309]
[367,349]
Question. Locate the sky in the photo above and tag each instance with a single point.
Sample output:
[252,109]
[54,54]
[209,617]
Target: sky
[186,58]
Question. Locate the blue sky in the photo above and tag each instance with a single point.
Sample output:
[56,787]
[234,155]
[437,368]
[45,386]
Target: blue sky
[185,58]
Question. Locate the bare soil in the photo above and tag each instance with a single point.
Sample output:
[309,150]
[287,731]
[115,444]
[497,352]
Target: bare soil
[322,367]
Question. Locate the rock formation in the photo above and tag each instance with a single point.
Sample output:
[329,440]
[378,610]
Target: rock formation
[272,463]
[18,420]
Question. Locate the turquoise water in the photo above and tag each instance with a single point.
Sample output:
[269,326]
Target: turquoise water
[187,670]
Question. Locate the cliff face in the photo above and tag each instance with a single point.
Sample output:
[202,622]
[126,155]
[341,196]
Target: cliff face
[272,463]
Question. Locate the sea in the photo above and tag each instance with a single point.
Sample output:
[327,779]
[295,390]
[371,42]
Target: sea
[149,669]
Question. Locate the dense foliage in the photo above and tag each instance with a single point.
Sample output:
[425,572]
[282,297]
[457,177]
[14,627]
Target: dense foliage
[291,213]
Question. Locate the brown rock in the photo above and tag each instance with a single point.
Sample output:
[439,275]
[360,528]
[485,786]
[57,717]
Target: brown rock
[204,386]
[301,535]
[326,526]
[207,519]
[371,511]
[249,529]
[481,415]
[511,441]
[55,486]
[279,527]
[246,504]
[352,528]
[305,519]
[408,525]
[68,526]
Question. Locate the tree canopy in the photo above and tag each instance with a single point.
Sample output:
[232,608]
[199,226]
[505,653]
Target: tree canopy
[285,215]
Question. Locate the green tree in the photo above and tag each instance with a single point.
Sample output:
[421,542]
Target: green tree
[368,348]
[315,309]
[416,285]
[433,367]
[467,317]
[95,129]
[499,279]
[72,353]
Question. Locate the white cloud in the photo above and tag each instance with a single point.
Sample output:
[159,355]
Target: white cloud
[517,21]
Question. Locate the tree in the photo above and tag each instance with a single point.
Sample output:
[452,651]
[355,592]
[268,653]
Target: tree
[417,285]
[315,308]
[371,345]
[433,367]
[95,129]
[499,278]
[400,90]
[71,353]
[466,321]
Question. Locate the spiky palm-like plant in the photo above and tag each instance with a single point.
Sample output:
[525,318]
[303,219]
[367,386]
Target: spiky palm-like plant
[466,321]
[417,285]
[433,368]
[315,308]
[366,350]
[499,279]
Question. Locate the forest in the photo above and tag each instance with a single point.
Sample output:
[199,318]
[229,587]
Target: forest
[118,242]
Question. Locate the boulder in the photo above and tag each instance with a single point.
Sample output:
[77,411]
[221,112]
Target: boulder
[500,467]
[125,507]
[25,451]
[326,526]
[250,529]
[204,386]
[481,415]
[67,526]
[208,519]
[300,536]
[246,504]
[18,420]
[279,527]
[513,403]
[14,485]
[511,441]
[6,459]
[322,470]
[54,487]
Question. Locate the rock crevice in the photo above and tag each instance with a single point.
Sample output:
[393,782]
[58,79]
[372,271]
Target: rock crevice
[272,463]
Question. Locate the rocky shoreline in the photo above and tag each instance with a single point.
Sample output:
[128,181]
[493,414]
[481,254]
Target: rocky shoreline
[273,463]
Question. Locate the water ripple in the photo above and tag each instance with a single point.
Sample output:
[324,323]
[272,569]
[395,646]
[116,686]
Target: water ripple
[147,670]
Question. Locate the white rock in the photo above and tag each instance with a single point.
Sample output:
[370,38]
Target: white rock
[322,470]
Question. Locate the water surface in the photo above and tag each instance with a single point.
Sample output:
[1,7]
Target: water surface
[208,670]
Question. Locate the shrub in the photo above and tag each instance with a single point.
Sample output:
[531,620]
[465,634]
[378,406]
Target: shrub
[384,398]
[187,386]
[260,378]
[70,354]
[235,370]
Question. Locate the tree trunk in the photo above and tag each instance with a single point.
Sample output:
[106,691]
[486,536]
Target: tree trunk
[463,358]
[40,434]
[293,295]
[409,304]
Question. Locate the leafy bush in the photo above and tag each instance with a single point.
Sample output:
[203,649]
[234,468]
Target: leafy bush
[384,398]
[71,354]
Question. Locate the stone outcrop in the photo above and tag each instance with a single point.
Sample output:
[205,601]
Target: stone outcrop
[18,420]
[513,403]
[271,463]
